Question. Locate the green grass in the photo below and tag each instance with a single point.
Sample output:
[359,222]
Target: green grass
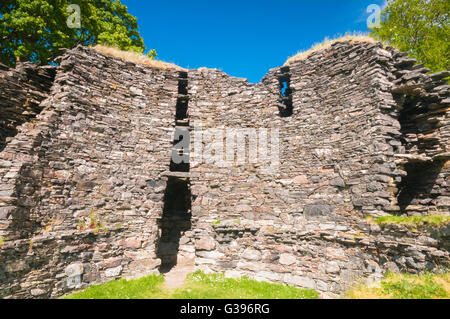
[406,286]
[216,286]
[144,288]
[197,286]
[412,221]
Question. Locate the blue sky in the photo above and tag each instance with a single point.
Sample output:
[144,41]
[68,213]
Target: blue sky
[243,38]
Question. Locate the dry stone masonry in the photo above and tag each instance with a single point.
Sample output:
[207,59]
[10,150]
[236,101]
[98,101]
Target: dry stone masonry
[90,190]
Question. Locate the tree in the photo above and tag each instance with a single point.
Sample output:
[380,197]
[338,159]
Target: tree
[419,27]
[36,30]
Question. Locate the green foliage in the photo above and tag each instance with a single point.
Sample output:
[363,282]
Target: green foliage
[2,240]
[413,221]
[36,30]
[198,286]
[217,222]
[421,28]
[151,54]
[409,289]
[81,225]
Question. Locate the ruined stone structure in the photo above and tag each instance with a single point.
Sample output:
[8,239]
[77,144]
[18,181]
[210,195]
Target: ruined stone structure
[89,191]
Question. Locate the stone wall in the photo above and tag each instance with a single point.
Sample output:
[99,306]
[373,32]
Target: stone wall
[22,91]
[340,136]
[94,161]
[90,193]
[423,111]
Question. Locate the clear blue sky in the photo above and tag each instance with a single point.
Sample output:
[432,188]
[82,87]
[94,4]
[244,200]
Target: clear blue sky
[243,38]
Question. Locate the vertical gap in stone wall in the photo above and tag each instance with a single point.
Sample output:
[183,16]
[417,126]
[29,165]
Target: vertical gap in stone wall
[180,153]
[176,217]
[417,192]
[175,221]
[286,92]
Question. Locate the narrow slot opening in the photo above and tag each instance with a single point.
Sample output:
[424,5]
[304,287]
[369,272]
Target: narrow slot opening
[176,220]
[284,80]
[180,153]
[182,109]
[183,86]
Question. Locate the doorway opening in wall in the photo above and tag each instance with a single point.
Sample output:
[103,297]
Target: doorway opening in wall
[176,220]
[417,187]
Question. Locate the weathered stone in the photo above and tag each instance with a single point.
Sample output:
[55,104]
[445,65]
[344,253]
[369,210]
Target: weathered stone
[37,292]
[287,259]
[318,210]
[111,262]
[252,254]
[113,272]
[332,268]
[74,269]
[205,243]
[300,180]
[339,182]
[303,282]
[17,266]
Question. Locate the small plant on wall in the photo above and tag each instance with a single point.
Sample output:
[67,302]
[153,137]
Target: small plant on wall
[81,225]
[92,222]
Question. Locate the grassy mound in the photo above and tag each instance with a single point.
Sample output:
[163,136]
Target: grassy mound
[197,286]
[405,286]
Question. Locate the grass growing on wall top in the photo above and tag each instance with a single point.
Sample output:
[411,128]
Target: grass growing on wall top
[137,58]
[355,37]
[405,286]
[412,221]
[197,286]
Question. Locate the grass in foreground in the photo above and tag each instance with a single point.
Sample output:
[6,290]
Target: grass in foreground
[405,286]
[197,286]
[145,288]
[216,286]
[411,221]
